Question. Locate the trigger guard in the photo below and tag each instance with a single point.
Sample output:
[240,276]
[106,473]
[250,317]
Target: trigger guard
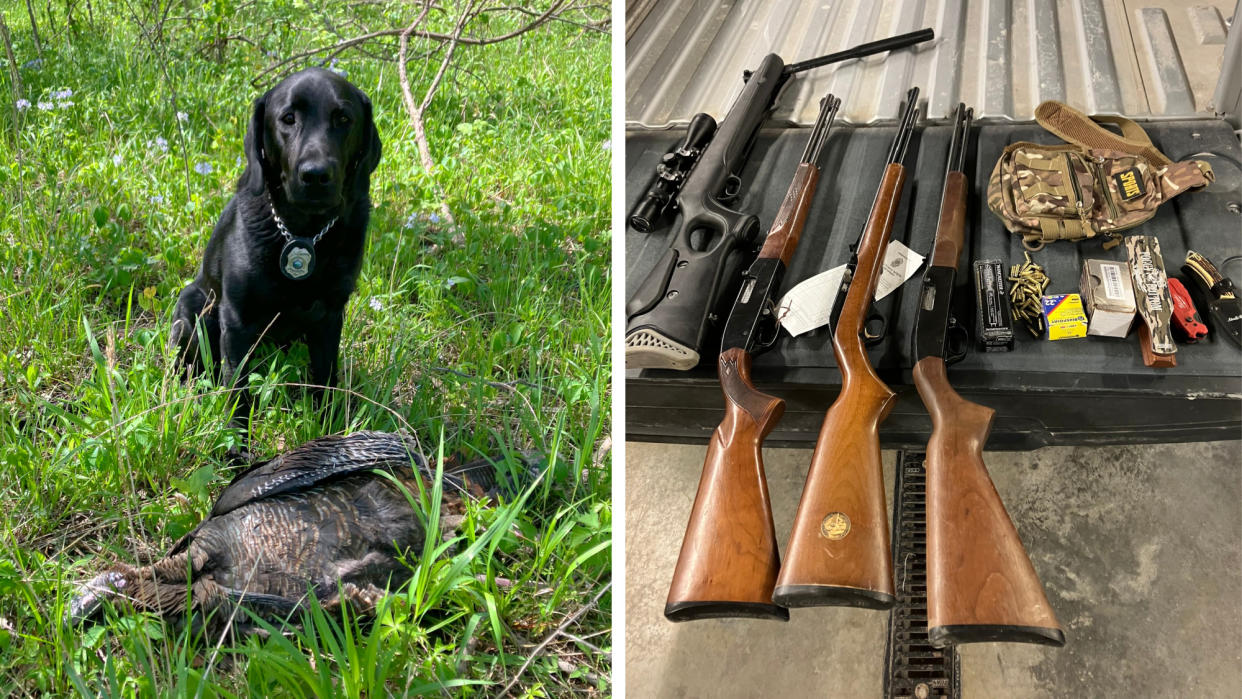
[766,334]
[749,230]
[957,343]
[870,339]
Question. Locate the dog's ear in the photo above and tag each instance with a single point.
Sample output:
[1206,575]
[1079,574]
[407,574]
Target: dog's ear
[368,153]
[253,177]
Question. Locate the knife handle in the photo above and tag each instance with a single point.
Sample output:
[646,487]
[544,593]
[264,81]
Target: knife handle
[1185,317]
[1203,268]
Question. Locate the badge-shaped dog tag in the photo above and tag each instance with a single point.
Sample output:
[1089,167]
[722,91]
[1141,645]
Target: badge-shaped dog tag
[297,259]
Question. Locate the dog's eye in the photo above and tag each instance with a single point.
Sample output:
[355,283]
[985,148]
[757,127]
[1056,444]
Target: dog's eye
[343,120]
[288,118]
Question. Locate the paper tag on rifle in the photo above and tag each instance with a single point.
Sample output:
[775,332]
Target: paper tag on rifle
[900,263]
[808,305]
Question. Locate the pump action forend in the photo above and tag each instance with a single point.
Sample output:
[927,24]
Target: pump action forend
[729,559]
[838,551]
[671,312]
[981,585]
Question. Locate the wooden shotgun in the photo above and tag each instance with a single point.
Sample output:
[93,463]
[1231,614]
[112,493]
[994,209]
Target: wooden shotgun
[729,559]
[839,550]
[981,585]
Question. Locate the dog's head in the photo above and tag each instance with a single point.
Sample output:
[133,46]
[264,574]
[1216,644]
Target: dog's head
[312,136]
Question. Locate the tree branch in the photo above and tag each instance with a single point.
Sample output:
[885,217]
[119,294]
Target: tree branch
[337,48]
[416,112]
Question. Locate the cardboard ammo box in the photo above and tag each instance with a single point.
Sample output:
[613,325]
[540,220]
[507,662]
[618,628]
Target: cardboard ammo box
[1108,297]
[1064,316]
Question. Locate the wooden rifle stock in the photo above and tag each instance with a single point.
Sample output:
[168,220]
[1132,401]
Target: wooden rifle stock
[981,585]
[729,560]
[838,552]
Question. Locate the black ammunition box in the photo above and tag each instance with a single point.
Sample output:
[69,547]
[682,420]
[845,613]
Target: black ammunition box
[993,321]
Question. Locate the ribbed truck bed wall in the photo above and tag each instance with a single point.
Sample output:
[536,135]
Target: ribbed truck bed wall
[1142,58]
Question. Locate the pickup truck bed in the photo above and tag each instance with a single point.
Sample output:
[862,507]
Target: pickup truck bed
[1090,391]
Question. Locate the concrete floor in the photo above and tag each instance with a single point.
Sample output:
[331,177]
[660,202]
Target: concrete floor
[1139,550]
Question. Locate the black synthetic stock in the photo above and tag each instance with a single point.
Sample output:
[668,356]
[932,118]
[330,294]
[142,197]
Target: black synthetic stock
[677,295]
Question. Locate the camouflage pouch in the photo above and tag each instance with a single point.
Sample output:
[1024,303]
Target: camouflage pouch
[1098,184]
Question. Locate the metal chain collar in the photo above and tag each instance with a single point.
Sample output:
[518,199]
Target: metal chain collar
[284,230]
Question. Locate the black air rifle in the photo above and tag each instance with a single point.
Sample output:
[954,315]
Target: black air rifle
[668,317]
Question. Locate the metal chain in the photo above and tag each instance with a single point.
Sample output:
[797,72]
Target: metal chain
[284,230]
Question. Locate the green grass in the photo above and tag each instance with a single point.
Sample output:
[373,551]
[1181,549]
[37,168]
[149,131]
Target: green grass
[497,343]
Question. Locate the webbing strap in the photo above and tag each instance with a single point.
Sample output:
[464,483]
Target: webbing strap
[1075,127]
[1064,229]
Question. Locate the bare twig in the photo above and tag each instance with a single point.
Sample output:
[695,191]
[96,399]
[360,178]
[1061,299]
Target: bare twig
[466,16]
[8,50]
[16,86]
[552,12]
[584,642]
[416,111]
[34,28]
[600,26]
[569,621]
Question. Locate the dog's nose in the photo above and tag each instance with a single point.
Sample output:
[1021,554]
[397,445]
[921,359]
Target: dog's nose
[315,173]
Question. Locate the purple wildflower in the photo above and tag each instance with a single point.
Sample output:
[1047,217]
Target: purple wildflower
[203,168]
[23,105]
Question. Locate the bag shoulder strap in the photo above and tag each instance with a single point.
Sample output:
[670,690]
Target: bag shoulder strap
[1076,127]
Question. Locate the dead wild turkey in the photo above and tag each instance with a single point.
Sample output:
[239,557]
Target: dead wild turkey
[315,520]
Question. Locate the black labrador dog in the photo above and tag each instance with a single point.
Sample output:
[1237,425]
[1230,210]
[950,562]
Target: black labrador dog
[285,254]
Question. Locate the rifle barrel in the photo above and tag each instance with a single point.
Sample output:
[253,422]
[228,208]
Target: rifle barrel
[957,144]
[828,107]
[905,127]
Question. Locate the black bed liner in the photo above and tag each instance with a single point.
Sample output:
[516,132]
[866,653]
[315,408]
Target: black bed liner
[1089,391]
